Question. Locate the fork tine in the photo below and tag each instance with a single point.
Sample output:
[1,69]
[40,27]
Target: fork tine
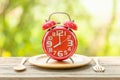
[98,67]
[94,69]
[103,69]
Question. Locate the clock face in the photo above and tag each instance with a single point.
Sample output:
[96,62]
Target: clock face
[59,43]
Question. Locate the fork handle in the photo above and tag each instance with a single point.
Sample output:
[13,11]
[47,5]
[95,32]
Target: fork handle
[96,61]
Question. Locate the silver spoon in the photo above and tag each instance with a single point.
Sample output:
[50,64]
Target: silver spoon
[21,66]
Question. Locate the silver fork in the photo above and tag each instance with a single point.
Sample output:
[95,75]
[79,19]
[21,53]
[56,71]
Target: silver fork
[98,67]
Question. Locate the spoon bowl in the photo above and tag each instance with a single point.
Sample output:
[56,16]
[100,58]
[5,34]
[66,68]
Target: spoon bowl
[21,66]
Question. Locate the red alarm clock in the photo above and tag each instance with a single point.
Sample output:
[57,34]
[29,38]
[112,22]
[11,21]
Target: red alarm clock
[59,42]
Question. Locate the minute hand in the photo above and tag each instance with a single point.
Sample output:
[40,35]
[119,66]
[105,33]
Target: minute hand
[64,40]
[57,45]
[59,38]
[59,42]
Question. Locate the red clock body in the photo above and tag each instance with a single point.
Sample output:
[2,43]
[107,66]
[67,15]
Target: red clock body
[59,43]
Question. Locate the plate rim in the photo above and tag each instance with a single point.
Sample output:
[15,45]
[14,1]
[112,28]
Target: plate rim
[57,67]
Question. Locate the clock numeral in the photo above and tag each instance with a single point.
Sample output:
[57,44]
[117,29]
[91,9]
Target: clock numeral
[49,38]
[64,33]
[69,49]
[69,37]
[60,53]
[53,34]
[49,50]
[65,52]
[70,42]
[59,33]
[49,43]
[54,52]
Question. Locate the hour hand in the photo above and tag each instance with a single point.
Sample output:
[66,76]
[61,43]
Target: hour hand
[57,45]
[59,42]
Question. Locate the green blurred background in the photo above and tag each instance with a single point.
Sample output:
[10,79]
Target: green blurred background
[98,23]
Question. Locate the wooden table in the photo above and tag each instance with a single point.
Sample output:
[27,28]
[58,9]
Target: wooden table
[112,65]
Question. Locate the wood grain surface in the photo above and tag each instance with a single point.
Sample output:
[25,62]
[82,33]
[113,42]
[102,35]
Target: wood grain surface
[112,72]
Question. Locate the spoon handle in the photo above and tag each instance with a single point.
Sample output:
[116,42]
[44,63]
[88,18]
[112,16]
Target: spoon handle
[23,61]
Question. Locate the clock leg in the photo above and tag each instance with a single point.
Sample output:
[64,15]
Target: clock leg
[71,60]
[48,60]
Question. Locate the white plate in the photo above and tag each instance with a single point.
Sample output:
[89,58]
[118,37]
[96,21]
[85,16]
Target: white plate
[40,61]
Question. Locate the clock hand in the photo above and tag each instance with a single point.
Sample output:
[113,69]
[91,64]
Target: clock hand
[57,45]
[64,40]
[59,41]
